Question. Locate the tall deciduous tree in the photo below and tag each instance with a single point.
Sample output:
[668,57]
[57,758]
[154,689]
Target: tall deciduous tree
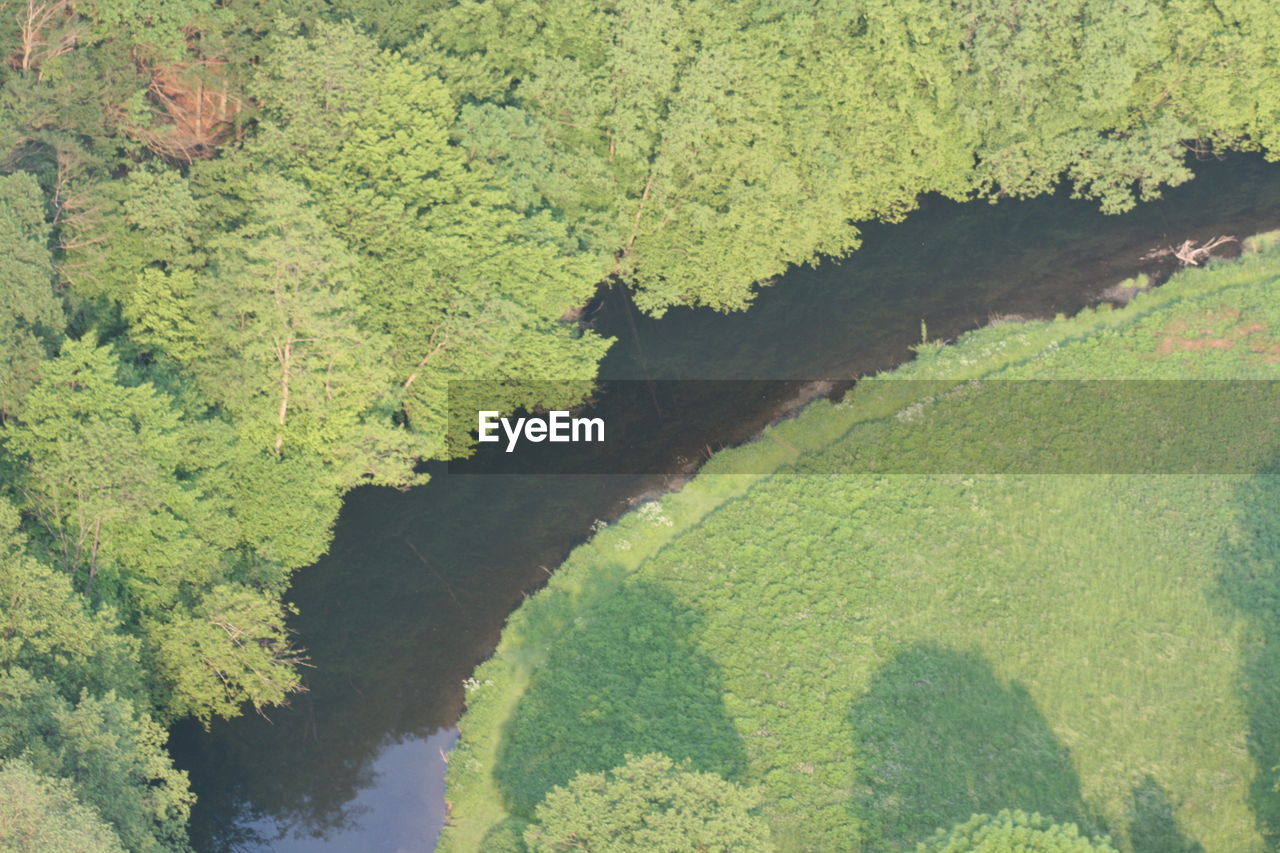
[30,314]
[231,648]
[113,753]
[279,346]
[458,283]
[113,475]
[49,630]
[105,474]
[40,814]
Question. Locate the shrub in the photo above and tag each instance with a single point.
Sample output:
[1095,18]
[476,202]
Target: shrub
[649,805]
[1014,832]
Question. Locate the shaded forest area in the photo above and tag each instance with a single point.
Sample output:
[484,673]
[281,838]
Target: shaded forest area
[246,245]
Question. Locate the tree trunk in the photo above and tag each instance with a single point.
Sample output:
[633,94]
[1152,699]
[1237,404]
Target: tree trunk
[285,354]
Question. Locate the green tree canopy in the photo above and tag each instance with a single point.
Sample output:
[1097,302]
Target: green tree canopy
[72,707]
[697,148]
[113,475]
[230,648]
[1013,832]
[106,473]
[653,805]
[453,279]
[39,814]
[46,628]
[275,342]
[30,315]
[113,754]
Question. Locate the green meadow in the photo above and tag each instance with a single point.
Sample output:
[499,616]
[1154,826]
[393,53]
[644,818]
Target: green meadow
[885,654]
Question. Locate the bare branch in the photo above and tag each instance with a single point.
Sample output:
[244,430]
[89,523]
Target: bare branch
[1188,252]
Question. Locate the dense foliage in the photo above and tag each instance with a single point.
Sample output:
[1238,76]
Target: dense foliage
[697,147]
[42,815]
[649,805]
[1013,832]
[887,655]
[246,245]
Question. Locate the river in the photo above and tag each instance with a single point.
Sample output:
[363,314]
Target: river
[417,584]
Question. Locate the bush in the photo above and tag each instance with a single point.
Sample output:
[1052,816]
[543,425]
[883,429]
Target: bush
[1014,832]
[649,805]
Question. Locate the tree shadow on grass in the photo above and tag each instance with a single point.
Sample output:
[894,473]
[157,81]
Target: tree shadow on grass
[1152,828]
[1250,583]
[626,678]
[939,738]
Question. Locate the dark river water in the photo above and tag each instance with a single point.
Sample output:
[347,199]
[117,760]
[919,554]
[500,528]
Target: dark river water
[417,585]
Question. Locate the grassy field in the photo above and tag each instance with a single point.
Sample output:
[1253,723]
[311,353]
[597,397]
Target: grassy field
[889,653]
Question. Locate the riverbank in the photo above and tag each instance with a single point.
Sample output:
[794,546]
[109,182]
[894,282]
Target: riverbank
[417,585]
[484,779]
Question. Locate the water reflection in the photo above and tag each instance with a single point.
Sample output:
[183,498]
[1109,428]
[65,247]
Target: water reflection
[417,585]
[400,809]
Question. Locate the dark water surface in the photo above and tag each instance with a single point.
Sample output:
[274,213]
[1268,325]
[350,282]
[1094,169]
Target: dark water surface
[417,585]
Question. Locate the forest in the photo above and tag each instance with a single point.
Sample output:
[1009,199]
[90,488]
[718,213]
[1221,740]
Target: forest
[246,246]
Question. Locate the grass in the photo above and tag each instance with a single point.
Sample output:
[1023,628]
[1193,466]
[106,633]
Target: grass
[886,654]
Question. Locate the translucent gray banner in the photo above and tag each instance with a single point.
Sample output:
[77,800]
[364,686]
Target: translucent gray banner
[894,426]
